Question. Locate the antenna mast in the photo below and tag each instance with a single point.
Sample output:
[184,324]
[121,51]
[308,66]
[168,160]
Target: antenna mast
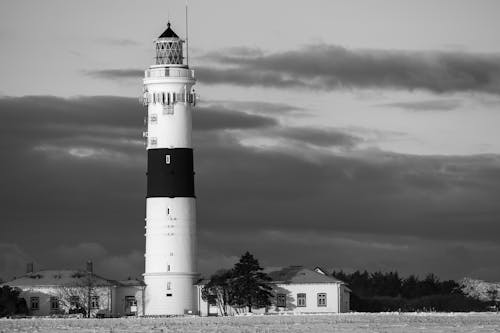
[187,39]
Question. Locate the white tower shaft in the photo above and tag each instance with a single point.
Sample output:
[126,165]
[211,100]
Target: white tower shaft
[170,259]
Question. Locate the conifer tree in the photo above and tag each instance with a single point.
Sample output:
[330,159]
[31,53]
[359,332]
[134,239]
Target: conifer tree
[250,286]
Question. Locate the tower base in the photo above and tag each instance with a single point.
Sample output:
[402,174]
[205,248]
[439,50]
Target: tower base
[170,294]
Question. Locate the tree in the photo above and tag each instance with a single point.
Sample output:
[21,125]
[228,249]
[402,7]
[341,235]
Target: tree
[250,286]
[493,295]
[11,303]
[218,290]
[77,296]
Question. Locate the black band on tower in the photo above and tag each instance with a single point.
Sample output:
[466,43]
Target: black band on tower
[170,173]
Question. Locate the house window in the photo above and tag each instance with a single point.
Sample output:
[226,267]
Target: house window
[167,159]
[169,285]
[74,301]
[301,300]
[153,141]
[322,299]
[94,302]
[35,303]
[281,300]
[54,303]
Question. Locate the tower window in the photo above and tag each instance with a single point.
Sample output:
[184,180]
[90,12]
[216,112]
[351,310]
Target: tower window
[168,268]
[153,141]
[153,119]
[169,285]
[167,159]
[168,109]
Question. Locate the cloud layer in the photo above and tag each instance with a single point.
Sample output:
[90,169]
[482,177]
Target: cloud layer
[76,176]
[330,67]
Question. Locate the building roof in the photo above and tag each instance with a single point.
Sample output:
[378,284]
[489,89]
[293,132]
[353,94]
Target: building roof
[59,278]
[300,274]
[169,33]
[132,282]
[293,274]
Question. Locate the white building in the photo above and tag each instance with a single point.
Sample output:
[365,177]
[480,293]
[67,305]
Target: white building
[297,290]
[54,292]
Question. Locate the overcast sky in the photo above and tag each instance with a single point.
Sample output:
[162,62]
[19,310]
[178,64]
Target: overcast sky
[342,134]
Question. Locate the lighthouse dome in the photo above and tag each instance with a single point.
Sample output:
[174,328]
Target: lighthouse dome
[169,48]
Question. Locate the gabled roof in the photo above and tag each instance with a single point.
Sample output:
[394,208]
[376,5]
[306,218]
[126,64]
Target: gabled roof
[59,278]
[132,282]
[169,33]
[294,274]
[299,274]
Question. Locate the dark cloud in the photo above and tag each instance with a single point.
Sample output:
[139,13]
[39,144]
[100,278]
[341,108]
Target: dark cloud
[428,105]
[332,67]
[262,107]
[329,67]
[321,137]
[74,177]
[246,77]
[218,117]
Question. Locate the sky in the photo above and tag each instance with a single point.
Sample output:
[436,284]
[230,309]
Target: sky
[342,134]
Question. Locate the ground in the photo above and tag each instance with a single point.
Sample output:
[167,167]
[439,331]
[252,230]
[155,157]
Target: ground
[352,322]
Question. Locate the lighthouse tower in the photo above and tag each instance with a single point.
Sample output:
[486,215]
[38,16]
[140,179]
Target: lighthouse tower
[170,258]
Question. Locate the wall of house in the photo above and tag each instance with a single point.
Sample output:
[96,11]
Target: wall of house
[337,300]
[120,306]
[311,290]
[44,293]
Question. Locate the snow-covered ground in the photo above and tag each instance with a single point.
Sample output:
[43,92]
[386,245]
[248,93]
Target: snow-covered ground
[352,322]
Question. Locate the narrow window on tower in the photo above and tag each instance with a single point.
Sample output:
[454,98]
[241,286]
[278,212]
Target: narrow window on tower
[168,211]
[153,119]
[167,159]
[168,268]
[153,141]
[169,285]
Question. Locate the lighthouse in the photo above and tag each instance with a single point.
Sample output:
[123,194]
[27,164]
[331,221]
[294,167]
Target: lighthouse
[170,258]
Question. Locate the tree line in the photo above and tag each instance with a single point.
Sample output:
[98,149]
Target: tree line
[387,291]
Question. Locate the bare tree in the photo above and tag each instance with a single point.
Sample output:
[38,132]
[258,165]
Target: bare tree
[81,294]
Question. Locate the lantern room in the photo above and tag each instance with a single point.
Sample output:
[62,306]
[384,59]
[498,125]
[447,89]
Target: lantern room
[169,48]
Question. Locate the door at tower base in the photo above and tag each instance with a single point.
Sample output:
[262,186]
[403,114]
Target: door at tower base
[170,295]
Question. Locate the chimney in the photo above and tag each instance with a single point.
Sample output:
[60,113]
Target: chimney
[29,268]
[90,267]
